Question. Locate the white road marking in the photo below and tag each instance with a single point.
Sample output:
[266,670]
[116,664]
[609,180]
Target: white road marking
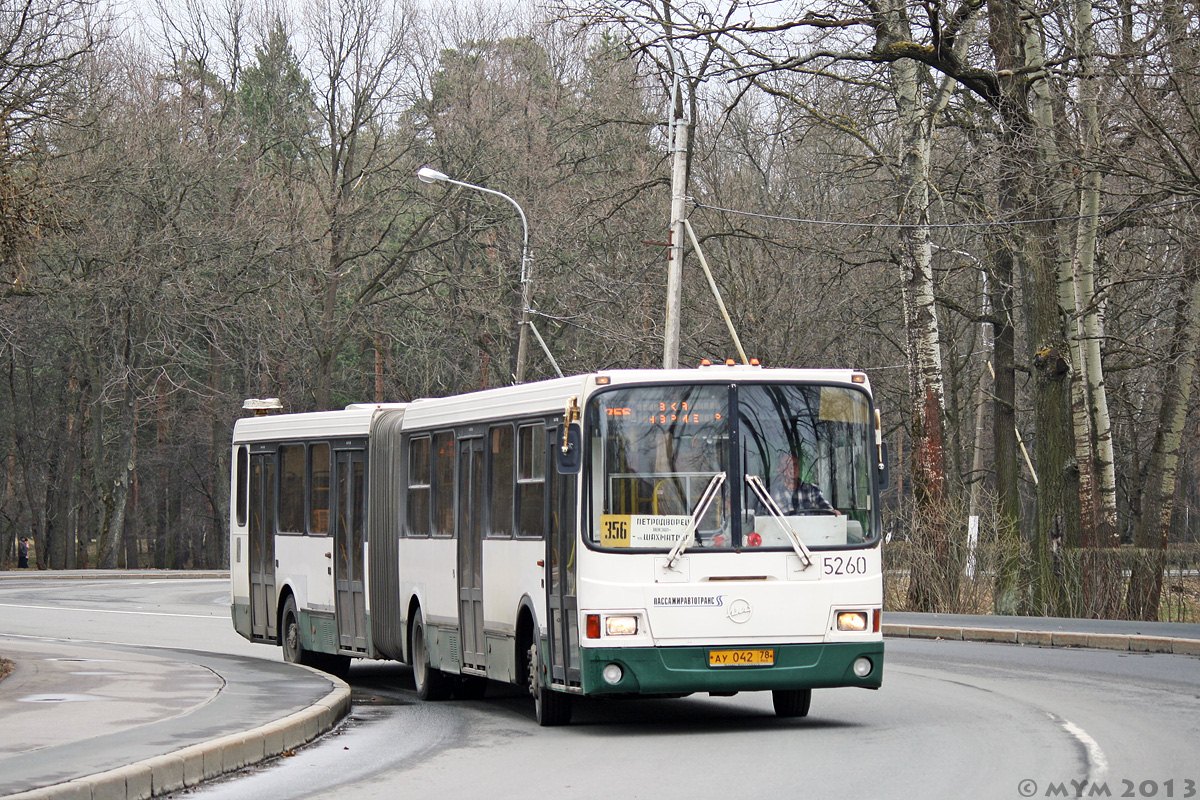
[1097,761]
[223,618]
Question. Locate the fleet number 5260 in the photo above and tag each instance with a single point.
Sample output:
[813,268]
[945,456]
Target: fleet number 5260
[845,565]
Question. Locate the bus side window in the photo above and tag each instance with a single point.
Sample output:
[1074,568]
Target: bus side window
[318,496]
[531,480]
[291,488]
[500,480]
[243,463]
[443,484]
[418,486]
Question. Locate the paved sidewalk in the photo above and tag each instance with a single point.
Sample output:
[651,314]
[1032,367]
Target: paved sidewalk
[1121,635]
[72,712]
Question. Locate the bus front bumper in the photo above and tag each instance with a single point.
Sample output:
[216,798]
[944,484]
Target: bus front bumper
[675,670]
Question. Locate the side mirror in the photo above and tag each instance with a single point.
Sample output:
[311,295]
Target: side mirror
[883,466]
[569,456]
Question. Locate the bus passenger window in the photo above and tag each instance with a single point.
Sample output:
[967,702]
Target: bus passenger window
[418,487]
[531,480]
[443,484]
[291,488]
[318,457]
[240,478]
[501,480]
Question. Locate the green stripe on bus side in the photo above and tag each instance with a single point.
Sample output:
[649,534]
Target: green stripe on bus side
[318,632]
[241,618]
[668,670]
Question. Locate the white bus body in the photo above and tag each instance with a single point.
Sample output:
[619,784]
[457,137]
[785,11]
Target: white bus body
[661,547]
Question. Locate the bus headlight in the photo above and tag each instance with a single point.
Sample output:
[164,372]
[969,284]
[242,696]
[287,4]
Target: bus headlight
[620,626]
[851,620]
[863,666]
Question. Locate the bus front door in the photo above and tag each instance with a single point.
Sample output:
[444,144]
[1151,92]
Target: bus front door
[470,552]
[348,535]
[262,547]
[561,602]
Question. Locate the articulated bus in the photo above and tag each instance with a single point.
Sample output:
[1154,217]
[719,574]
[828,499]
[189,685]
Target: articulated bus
[622,533]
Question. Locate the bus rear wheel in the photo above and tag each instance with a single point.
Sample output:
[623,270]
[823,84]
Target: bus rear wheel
[289,636]
[432,684]
[791,702]
[550,707]
[294,651]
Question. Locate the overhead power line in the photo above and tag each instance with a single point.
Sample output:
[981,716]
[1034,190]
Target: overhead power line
[939,225]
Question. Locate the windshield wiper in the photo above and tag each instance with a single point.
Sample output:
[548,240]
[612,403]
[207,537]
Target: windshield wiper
[764,497]
[706,499]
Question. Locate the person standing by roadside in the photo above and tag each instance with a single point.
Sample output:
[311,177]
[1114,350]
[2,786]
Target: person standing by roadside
[23,553]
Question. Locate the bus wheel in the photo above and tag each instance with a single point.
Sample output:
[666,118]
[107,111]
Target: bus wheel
[791,702]
[550,707]
[432,684]
[293,650]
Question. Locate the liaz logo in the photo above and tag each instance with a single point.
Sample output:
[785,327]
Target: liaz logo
[739,611]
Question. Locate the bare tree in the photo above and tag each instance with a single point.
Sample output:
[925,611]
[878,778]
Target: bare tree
[43,44]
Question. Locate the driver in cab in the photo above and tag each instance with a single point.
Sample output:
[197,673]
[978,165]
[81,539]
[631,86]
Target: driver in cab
[794,495]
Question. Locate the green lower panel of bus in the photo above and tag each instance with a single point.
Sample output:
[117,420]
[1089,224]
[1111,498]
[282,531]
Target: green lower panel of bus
[241,618]
[668,670]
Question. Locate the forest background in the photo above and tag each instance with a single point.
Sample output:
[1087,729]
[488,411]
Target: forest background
[990,206]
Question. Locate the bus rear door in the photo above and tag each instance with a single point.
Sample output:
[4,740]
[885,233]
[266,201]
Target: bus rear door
[470,552]
[348,534]
[262,546]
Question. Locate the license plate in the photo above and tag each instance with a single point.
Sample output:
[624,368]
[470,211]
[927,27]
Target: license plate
[761,657]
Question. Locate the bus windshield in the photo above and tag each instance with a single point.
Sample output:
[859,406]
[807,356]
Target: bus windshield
[792,463]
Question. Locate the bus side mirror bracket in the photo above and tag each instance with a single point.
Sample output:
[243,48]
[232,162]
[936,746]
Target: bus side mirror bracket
[568,452]
[884,478]
[881,452]
[569,455]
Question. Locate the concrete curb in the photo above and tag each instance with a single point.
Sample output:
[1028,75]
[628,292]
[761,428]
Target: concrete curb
[1095,641]
[189,766]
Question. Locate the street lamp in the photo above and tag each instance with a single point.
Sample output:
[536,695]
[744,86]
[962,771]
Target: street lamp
[428,174]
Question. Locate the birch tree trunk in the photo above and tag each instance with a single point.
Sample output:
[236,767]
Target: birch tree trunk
[932,588]
[1093,425]
[115,495]
[1153,524]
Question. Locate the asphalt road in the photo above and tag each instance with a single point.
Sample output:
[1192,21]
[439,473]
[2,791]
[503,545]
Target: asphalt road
[954,719]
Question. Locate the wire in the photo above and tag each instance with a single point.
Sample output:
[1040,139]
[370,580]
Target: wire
[940,225]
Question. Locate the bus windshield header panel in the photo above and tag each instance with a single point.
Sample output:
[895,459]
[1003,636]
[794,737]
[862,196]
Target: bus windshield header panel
[727,467]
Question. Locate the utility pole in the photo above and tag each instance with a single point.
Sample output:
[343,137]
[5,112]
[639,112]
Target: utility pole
[679,140]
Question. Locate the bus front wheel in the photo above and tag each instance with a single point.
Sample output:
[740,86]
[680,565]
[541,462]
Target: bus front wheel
[432,684]
[791,702]
[550,707]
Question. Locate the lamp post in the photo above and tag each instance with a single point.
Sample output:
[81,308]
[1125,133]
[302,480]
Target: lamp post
[428,174]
